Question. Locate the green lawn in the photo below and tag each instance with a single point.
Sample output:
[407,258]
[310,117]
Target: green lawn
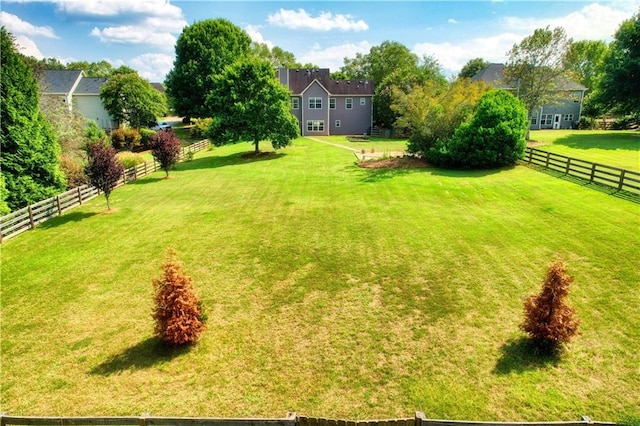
[330,290]
[613,148]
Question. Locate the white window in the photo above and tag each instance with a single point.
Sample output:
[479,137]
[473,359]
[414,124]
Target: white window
[295,103]
[338,123]
[568,117]
[315,125]
[534,118]
[315,103]
[363,101]
[332,103]
[348,103]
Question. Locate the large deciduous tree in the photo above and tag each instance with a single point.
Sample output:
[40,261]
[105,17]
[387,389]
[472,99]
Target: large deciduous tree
[584,60]
[202,51]
[249,104]
[619,86]
[30,160]
[103,168]
[536,65]
[131,99]
[472,67]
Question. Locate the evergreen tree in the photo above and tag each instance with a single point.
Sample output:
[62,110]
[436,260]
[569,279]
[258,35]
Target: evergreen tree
[30,160]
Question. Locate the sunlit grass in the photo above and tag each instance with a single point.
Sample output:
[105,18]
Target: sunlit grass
[330,291]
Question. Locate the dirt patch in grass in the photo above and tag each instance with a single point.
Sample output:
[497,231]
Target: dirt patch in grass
[394,163]
[532,144]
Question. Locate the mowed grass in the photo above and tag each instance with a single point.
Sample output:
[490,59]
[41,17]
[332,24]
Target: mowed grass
[613,148]
[330,290]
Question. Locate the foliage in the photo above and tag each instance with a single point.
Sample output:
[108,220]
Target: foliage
[203,50]
[549,321]
[472,67]
[250,104]
[73,169]
[432,112]
[619,86]
[132,100]
[165,148]
[92,69]
[145,137]
[93,132]
[199,128]
[276,56]
[4,207]
[129,159]
[629,421]
[30,160]
[583,61]
[125,138]
[178,310]
[536,64]
[495,137]
[103,168]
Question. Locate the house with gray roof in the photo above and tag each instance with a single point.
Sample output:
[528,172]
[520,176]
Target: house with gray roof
[79,93]
[326,107]
[563,113]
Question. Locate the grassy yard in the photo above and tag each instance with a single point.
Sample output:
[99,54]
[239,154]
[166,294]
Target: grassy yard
[330,291]
[613,148]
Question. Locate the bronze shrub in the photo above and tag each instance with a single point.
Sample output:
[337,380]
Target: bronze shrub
[548,320]
[178,311]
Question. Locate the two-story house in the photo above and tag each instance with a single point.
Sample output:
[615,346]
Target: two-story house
[328,107]
[563,113]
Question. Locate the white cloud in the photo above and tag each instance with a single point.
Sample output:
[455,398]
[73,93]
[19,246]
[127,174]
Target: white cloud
[161,8]
[27,47]
[15,26]
[333,57]
[452,21]
[152,31]
[254,32]
[326,21]
[153,66]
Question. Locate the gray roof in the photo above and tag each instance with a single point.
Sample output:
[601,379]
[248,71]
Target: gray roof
[300,79]
[59,81]
[90,86]
[494,75]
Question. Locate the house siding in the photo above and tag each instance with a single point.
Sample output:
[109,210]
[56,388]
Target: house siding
[92,109]
[315,90]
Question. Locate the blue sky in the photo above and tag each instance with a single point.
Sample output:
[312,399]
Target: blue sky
[142,33]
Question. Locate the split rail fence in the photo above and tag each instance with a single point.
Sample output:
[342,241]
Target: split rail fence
[290,420]
[31,216]
[601,174]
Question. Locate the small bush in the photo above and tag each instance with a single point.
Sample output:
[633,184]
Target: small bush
[178,315]
[93,132]
[165,148]
[73,170]
[130,159]
[549,321]
[199,128]
[145,137]
[125,138]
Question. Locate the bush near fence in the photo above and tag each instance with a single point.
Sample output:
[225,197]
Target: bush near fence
[31,216]
[290,420]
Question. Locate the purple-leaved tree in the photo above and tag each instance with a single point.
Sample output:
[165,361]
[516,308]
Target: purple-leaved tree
[165,148]
[103,168]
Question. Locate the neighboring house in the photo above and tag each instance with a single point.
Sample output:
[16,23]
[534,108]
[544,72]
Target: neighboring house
[563,113]
[79,93]
[328,107]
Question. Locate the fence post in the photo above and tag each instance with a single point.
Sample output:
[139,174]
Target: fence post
[33,225]
[621,180]
[547,162]
[145,169]
[419,418]
[59,207]
[79,195]
[593,172]
[568,169]
[143,419]
[530,155]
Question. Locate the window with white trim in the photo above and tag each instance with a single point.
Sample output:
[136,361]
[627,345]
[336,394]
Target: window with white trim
[363,101]
[332,103]
[568,117]
[338,123]
[546,119]
[348,103]
[315,125]
[295,103]
[315,103]
[534,118]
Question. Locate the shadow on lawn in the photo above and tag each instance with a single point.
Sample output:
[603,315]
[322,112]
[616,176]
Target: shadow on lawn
[379,174]
[145,354]
[518,355]
[612,141]
[228,160]
[66,218]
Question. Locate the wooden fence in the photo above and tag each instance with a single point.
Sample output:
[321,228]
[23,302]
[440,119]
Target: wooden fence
[290,420]
[31,216]
[601,174]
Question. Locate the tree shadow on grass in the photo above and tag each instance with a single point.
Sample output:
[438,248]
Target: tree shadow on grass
[228,160]
[608,141]
[519,355]
[147,180]
[149,352]
[66,218]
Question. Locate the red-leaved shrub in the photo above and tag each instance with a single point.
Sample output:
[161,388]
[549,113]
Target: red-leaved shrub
[178,311]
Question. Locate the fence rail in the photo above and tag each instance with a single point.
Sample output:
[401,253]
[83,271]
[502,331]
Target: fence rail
[612,177]
[19,221]
[290,420]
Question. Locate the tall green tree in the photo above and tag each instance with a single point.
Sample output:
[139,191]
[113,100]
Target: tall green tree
[202,51]
[249,104]
[620,83]
[30,160]
[276,56]
[472,67]
[584,60]
[131,99]
[536,64]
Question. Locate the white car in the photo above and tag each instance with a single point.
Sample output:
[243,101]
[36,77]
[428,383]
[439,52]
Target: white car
[161,125]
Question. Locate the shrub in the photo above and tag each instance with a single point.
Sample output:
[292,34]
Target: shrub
[73,170]
[549,321]
[199,128]
[93,132]
[178,311]
[130,159]
[495,137]
[145,137]
[165,148]
[103,168]
[125,138]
